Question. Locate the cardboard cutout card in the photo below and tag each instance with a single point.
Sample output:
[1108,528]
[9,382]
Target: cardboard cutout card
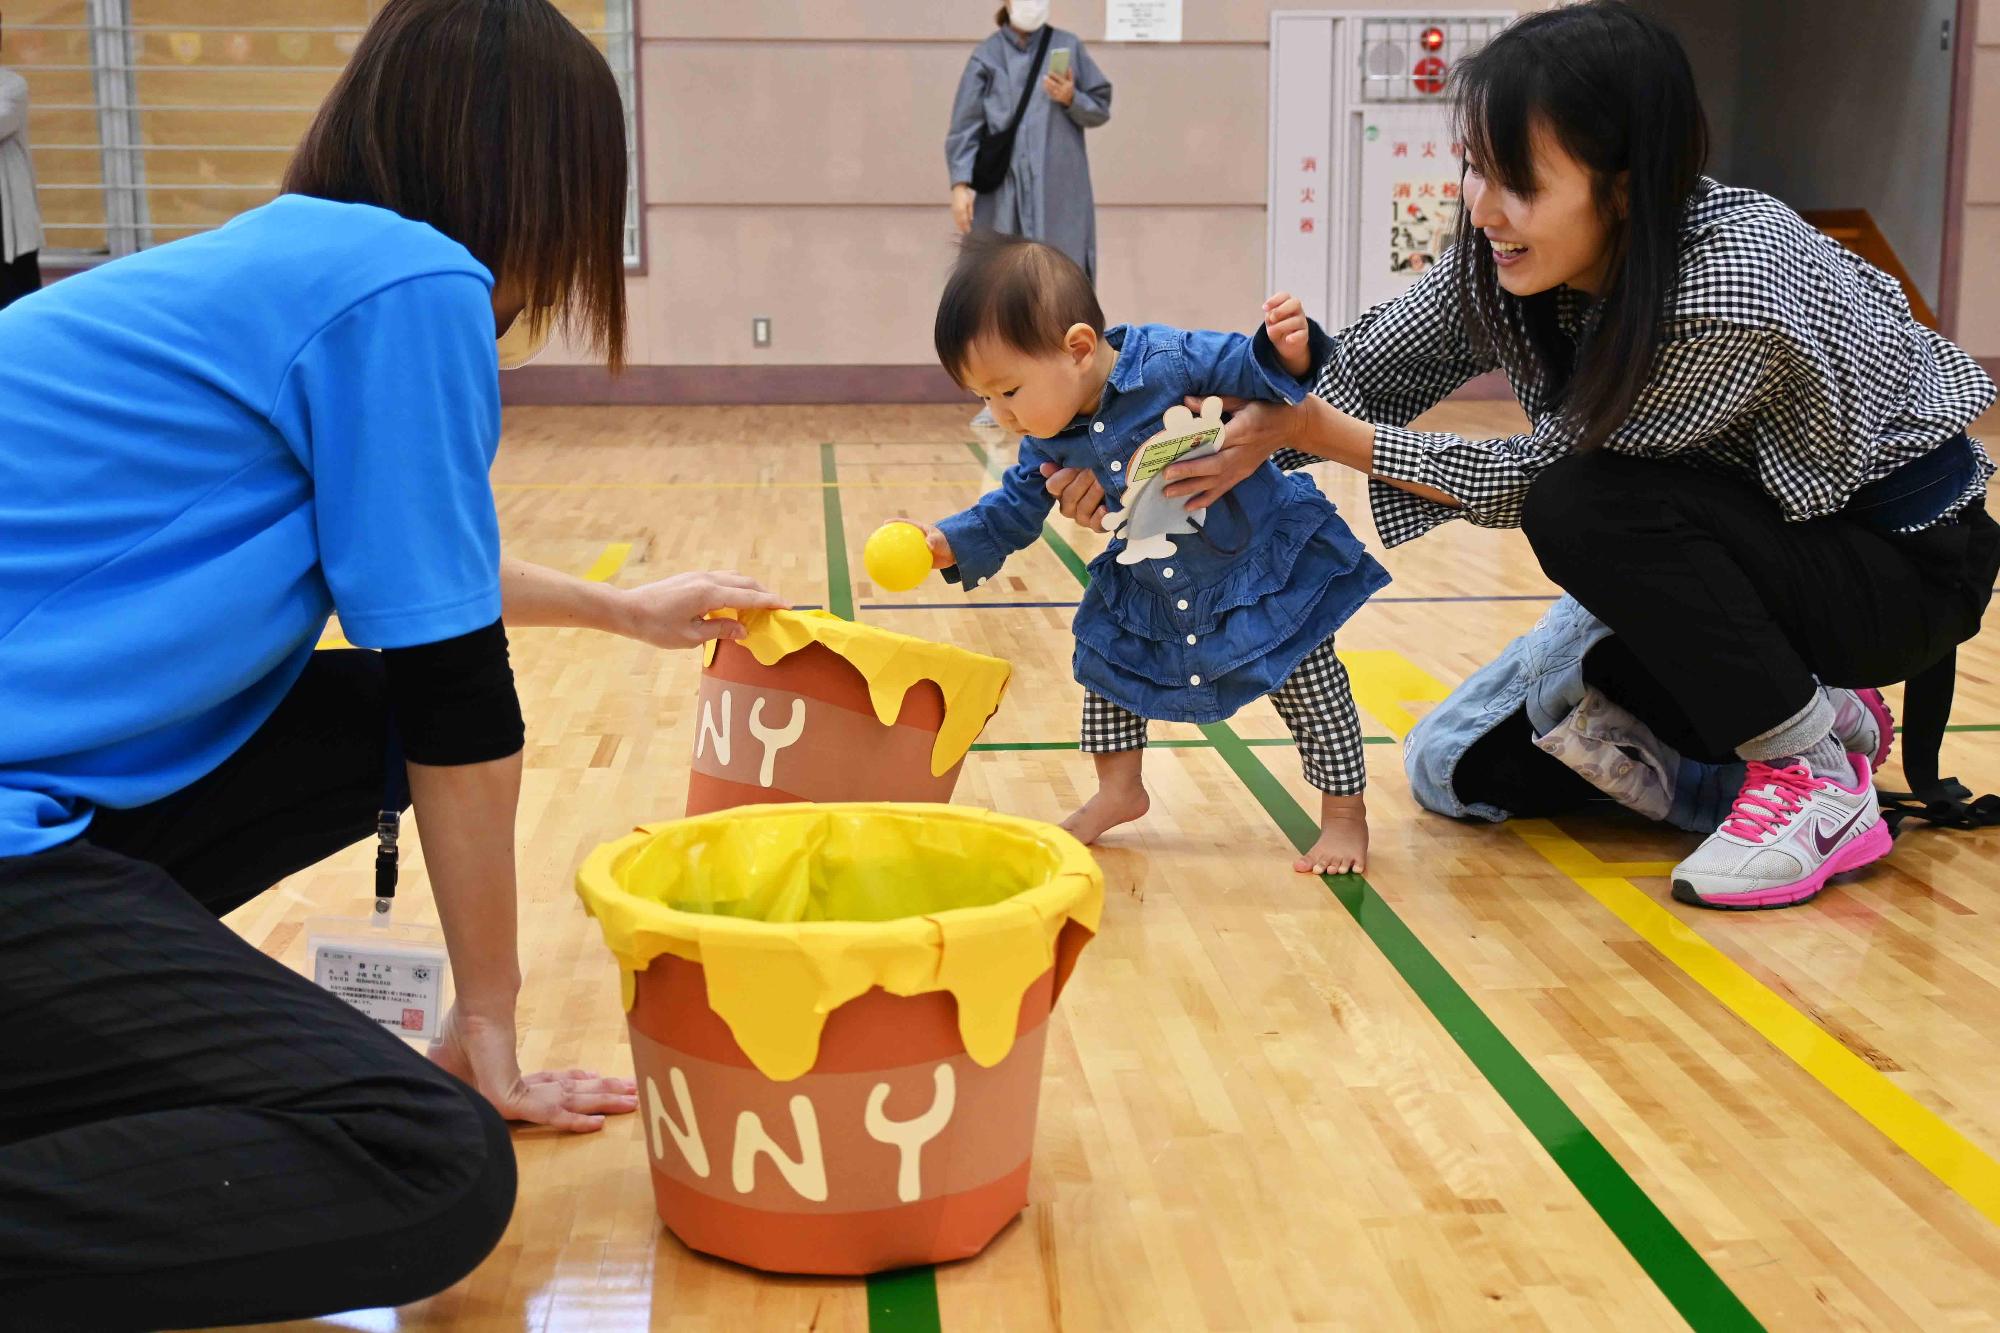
[1150,517]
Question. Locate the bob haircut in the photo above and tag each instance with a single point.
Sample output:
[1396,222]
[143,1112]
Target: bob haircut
[499,124]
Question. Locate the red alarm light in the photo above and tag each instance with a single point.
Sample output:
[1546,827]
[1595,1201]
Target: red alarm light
[1433,39]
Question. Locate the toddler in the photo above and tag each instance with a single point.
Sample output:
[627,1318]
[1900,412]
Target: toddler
[1246,606]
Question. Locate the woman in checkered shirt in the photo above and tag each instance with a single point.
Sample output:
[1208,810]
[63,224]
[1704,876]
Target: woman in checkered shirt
[1746,457]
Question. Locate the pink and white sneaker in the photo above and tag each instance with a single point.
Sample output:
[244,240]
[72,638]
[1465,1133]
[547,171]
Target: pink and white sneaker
[1788,833]
[1863,723]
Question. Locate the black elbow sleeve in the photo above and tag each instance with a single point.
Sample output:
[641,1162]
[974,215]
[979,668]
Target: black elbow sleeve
[454,701]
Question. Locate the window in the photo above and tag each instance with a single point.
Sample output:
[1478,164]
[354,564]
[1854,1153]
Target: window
[150,120]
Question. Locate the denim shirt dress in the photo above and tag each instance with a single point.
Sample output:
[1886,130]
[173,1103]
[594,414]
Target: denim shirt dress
[1225,621]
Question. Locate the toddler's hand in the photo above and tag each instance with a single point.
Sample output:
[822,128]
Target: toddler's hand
[941,556]
[1285,322]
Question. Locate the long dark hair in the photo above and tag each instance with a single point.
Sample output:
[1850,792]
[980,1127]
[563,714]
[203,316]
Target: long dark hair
[1615,90]
[499,124]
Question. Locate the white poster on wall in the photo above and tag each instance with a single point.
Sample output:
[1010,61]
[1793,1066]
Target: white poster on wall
[1142,20]
[1409,198]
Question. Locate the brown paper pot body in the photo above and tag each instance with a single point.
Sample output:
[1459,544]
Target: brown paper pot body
[791,714]
[841,753]
[838,1013]
[889,1066]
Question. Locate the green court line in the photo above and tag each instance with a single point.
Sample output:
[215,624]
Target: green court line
[1067,554]
[1648,1235]
[905,1301]
[839,588]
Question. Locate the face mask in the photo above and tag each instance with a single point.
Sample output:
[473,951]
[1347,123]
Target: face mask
[1028,15]
[524,340]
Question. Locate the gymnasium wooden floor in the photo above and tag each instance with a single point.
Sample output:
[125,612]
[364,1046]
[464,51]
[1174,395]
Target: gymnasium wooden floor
[1504,1084]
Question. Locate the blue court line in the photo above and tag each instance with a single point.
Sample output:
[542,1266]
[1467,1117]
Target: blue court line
[1071,606]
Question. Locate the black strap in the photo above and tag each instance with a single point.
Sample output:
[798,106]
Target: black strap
[1028,88]
[1931,799]
[389,820]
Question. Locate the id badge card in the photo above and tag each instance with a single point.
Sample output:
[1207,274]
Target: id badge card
[1157,455]
[398,975]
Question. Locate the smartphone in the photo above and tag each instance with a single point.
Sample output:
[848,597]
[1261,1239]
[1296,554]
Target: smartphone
[1059,61]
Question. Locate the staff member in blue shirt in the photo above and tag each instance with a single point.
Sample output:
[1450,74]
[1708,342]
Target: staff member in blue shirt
[204,450]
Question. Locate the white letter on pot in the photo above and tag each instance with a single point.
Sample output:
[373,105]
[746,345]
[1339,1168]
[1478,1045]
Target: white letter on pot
[774,741]
[709,731]
[807,1176]
[910,1136]
[688,1140]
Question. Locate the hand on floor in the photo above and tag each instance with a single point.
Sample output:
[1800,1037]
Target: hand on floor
[482,1054]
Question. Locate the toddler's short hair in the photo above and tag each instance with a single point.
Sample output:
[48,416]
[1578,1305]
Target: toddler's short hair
[1025,293]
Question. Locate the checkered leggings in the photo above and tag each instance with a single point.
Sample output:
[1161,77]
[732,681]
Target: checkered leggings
[1315,700]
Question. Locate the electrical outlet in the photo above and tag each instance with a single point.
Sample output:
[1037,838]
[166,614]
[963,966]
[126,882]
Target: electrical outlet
[760,331]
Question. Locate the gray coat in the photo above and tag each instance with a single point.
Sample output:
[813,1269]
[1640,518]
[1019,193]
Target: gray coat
[1047,192]
[20,217]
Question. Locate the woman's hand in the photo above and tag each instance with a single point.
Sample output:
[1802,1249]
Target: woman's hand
[673,613]
[1077,494]
[962,198]
[1256,431]
[481,1053]
[1061,88]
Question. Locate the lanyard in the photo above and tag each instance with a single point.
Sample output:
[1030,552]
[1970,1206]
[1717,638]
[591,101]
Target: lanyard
[388,825]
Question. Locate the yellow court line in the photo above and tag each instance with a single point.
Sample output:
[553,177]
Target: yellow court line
[610,562]
[1637,869]
[1919,1131]
[1385,680]
[1382,685]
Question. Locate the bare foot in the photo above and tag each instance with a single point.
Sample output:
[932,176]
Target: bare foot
[1342,848]
[1105,811]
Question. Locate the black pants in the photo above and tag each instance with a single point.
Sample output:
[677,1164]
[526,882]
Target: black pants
[19,278]
[190,1133]
[1725,617]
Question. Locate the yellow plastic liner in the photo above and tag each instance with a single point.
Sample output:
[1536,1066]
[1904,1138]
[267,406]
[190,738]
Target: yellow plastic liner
[972,683]
[793,910]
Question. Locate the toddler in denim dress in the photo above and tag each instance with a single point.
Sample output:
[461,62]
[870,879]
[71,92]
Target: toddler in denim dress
[1247,605]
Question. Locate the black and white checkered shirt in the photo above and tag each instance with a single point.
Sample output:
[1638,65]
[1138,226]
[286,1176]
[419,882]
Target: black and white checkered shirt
[1787,359]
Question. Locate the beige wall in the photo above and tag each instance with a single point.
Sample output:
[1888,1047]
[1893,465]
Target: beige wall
[794,167]
[1979,275]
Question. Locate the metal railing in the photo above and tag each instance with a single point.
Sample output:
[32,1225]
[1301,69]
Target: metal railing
[146,131]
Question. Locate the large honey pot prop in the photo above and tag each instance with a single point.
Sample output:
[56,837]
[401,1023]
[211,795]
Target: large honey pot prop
[838,1015]
[810,707]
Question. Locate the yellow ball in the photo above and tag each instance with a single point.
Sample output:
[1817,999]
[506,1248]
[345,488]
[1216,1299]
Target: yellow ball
[898,556]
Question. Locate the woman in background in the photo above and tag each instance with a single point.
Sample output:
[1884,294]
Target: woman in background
[1046,195]
[20,218]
